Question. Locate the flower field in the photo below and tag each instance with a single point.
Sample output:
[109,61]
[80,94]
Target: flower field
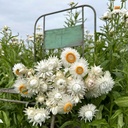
[65,88]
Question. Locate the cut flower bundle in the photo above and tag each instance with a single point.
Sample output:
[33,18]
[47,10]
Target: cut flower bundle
[59,84]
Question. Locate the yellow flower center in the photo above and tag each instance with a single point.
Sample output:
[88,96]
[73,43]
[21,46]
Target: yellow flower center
[17,72]
[70,57]
[23,89]
[79,70]
[67,107]
[117,7]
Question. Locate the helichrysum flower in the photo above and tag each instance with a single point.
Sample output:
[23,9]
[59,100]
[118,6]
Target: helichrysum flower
[69,56]
[116,10]
[30,38]
[54,63]
[33,84]
[105,83]
[100,85]
[66,104]
[40,98]
[90,82]
[43,86]
[37,116]
[60,82]
[29,112]
[55,96]
[54,109]
[20,86]
[106,15]
[43,70]
[29,72]
[95,71]
[79,69]
[87,112]
[92,89]
[76,89]
[19,69]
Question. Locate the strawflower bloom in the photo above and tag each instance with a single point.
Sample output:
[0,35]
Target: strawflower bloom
[21,87]
[106,15]
[33,84]
[43,70]
[95,71]
[54,63]
[60,82]
[79,69]
[105,83]
[55,96]
[65,105]
[117,10]
[37,116]
[87,112]
[19,69]
[76,89]
[40,98]
[69,56]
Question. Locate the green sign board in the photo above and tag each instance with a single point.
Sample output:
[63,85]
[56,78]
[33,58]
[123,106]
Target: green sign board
[63,37]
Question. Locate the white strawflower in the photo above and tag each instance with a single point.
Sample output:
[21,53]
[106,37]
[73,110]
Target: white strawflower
[105,83]
[95,92]
[87,112]
[21,87]
[55,96]
[54,63]
[54,109]
[30,72]
[90,82]
[79,69]
[43,86]
[30,38]
[76,89]
[59,74]
[95,71]
[19,69]
[69,56]
[92,88]
[29,112]
[40,98]
[65,105]
[43,69]
[33,84]
[60,82]
[106,15]
[38,116]
[116,10]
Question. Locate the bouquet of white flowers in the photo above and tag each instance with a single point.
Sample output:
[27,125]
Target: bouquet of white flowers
[60,83]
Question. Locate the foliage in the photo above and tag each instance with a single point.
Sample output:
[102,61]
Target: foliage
[111,52]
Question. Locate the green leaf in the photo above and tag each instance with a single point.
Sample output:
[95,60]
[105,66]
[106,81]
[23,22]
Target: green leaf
[117,112]
[120,121]
[99,112]
[68,123]
[122,101]
[98,122]
[6,119]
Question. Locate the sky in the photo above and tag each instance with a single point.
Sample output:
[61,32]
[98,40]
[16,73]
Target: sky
[20,15]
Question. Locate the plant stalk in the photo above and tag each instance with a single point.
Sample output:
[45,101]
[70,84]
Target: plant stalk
[52,121]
